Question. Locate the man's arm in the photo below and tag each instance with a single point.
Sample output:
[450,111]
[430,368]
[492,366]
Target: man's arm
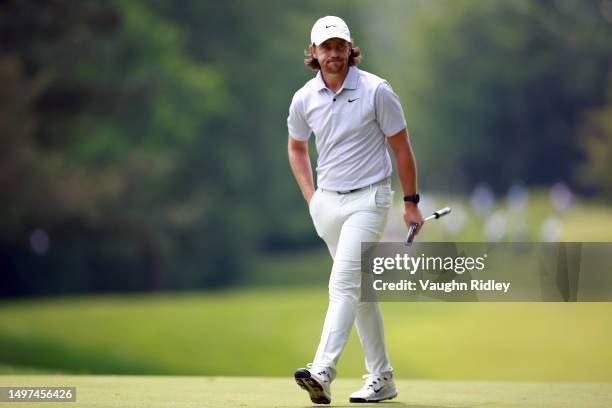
[406,168]
[300,165]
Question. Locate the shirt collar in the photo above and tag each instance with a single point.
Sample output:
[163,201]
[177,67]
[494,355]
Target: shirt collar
[350,82]
[319,85]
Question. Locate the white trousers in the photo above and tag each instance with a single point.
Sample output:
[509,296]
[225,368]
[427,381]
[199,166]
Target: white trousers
[344,221]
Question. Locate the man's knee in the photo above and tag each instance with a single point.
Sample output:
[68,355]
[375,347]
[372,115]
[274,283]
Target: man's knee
[345,284]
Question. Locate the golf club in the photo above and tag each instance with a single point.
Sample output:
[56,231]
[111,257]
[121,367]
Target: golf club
[413,227]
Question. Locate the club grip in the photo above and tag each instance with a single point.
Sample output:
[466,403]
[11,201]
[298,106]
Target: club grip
[442,212]
[411,233]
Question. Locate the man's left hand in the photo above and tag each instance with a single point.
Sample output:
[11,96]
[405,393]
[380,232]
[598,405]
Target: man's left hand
[413,214]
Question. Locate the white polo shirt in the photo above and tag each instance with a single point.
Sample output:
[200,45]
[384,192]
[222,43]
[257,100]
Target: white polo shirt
[350,127]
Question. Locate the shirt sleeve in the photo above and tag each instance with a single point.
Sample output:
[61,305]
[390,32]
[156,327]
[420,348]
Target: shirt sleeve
[389,112]
[296,124]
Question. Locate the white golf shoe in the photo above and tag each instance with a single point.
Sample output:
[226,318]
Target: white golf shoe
[316,382]
[377,387]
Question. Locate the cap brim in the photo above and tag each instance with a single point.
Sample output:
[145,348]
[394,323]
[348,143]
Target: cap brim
[321,40]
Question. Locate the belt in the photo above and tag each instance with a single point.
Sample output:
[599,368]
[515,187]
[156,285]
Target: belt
[381,182]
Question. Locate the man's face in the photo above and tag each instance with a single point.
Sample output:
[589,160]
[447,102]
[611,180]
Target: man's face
[332,55]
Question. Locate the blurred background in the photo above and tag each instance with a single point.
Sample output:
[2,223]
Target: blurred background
[150,223]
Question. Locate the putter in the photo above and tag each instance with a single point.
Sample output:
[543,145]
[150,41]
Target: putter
[413,227]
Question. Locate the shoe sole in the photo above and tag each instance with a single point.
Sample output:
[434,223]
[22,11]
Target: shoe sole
[312,387]
[365,401]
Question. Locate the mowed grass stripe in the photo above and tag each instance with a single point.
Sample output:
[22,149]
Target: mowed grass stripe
[264,332]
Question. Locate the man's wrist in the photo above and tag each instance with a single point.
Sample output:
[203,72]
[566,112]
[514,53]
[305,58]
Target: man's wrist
[412,198]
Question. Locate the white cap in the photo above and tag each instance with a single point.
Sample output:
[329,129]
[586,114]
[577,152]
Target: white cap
[329,27]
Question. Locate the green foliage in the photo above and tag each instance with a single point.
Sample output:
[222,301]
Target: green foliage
[147,138]
[495,90]
[118,119]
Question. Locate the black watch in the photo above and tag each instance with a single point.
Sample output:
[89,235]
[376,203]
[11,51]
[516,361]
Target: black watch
[413,198]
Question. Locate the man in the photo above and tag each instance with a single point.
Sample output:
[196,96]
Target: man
[353,115]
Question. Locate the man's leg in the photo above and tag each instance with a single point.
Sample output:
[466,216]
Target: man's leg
[369,324]
[368,317]
[379,384]
[364,224]
[325,210]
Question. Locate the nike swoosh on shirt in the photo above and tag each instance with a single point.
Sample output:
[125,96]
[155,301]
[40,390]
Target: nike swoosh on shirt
[352,100]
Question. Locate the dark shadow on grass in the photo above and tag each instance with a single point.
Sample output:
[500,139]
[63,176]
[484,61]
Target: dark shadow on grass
[50,354]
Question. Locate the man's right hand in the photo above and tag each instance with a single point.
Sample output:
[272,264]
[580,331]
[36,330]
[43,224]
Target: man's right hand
[309,197]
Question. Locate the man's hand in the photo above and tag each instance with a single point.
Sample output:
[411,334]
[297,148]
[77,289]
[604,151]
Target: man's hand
[308,197]
[412,213]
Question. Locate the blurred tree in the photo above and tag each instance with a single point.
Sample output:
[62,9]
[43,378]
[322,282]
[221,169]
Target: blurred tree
[495,90]
[100,107]
[143,143]
[147,141]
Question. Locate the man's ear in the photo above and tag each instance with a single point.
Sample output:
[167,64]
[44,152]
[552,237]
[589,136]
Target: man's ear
[313,50]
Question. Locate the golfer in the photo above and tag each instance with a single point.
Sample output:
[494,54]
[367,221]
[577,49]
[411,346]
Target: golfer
[353,115]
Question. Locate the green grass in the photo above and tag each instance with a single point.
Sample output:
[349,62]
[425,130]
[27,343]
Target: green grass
[9,369]
[215,392]
[266,332]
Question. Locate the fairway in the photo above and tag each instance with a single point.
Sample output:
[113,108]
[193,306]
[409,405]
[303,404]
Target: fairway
[153,391]
[205,334]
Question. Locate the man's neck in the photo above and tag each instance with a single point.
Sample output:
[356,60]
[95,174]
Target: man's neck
[334,81]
